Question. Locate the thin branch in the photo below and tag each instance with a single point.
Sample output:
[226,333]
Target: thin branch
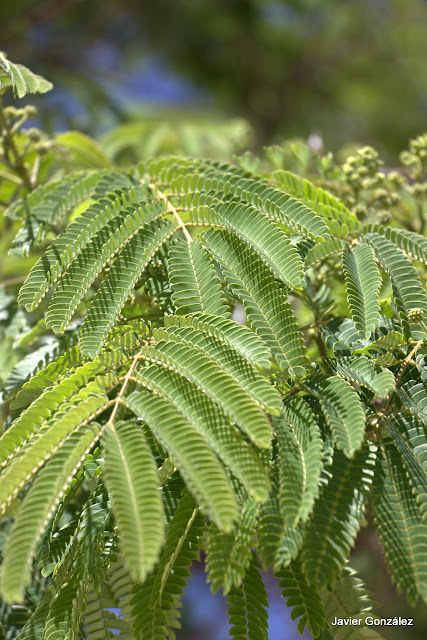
[119,399]
[174,212]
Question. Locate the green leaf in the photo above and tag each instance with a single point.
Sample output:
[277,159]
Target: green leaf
[44,206]
[303,598]
[194,283]
[90,234]
[36,510]
[99,620]
[385,343]
[238,336]
[306,190]
[364,371]
[40,448]
[155,604]
[212,423]
[414,396]
[415,468]
[322,251]
[81,151]
[247,613]
[342,409]
[132,480]
[349,599]
[202,472]
[413,244]
[119,282]
[229,554]
[265,302]
[400,526]
[244,374]
[407,287]
[300,460]
[46,404]
[363,283]
[219,385]
[336,516]
[21,79]
[266,239]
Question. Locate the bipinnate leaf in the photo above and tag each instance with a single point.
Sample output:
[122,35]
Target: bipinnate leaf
[335,520]
[303,598]
[131,477]
[194,283]
[363,283]
[400,525]
[300,460]
[348,599]
[247,613]
[37,508]
[203,473]
[229,554]
[342,409]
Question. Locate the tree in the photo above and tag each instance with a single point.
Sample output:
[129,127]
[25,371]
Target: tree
[138,444]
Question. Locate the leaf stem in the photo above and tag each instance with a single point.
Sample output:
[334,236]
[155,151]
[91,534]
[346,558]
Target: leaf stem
[174,212]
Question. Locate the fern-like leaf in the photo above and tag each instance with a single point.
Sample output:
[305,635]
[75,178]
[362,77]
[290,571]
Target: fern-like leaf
[194,283]
[349,599]
[342,409]
[203,473]
[414,466]
[336,517]
[155,604]
[237,336]
[131,477]
[46,205]
[400,526]
[119,282]
[219,385]
[229,554]
[21,79]
[363,283]
[364,371]
[210,421]
[300,454]
[247,613]
[303,598]
[268,311]
[36,510]
[408,290]
[89,234]
[40,448]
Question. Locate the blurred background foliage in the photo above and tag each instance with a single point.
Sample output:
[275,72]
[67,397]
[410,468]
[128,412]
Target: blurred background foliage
[349,70]
[144,78]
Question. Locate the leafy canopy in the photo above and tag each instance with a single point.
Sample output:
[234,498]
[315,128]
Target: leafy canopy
[159,427]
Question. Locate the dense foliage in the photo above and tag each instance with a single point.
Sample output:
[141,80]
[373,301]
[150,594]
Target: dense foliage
[152,427]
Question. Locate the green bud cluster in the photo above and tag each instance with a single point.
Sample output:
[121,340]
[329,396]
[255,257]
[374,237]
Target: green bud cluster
[43,147]
[419,190]
[156,268]
[418,146]
[415,315]
[384,198]
[34,134]
[360,211]
[362,169]
[13,113]
[397,179]
[415,160]
[384,216]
